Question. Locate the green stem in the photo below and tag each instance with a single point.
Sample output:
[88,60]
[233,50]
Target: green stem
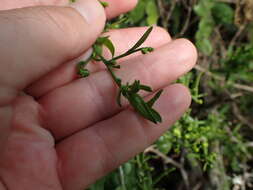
[125,54]
[109,67]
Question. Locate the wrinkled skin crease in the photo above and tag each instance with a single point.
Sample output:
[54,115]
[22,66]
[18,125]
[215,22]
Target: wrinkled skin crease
[35,165]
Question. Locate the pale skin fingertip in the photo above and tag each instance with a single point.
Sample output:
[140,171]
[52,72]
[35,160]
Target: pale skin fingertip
[90,10]
[163,33]
[190,53]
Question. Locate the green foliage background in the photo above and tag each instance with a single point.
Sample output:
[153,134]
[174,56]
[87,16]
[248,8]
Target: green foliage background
[211,146]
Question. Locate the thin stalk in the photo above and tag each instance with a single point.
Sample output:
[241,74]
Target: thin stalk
[125,54]
[107,64]
[122,178]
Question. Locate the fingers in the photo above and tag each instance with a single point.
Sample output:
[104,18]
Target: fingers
[115,8]
[93,152]
[36,40]
[86,101]
[67,72]
[13,4]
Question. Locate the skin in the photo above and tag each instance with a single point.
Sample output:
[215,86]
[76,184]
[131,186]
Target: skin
[60,134]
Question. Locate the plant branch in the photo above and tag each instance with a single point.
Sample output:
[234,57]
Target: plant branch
[222,79]
[168,160]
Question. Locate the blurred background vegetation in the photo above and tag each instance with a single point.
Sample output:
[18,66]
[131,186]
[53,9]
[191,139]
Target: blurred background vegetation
[211,146]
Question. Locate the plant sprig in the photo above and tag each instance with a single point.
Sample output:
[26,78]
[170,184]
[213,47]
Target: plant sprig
[129,91]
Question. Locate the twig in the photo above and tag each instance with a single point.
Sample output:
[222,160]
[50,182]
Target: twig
[164,13]
[198,186]
[222,44]
[222,79]
[237,35]
[188,18]
[249,144]
[243,87]
[227,1]
[217,175]
[168,160]
[240,117]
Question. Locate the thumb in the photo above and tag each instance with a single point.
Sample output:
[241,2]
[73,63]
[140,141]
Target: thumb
[35,40]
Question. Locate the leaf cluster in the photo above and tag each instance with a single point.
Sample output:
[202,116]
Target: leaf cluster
[129,91]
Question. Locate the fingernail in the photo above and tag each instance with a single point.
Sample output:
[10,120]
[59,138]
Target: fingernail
[91,10]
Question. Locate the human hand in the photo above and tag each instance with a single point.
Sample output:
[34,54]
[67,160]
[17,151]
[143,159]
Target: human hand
[69,132]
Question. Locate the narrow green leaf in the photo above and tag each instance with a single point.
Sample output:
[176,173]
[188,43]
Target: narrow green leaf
[155,98]
[138,103]
[142,39]
[146,88]
[153,115]
[144,109]
[157,117]
[101,40]
[140,106]
[108,43]
[135,87]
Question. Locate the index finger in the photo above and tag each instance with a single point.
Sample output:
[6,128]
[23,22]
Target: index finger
[115,8]
[13,4]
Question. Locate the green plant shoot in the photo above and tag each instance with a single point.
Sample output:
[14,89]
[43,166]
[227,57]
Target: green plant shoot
[129,91]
